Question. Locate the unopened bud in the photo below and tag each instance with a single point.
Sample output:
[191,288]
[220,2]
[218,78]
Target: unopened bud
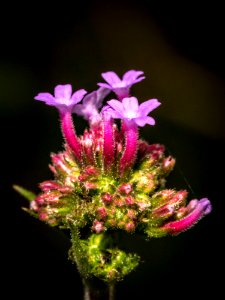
[102,212]
[129,200]
[107,198]
[90,185]
[33,205]
[98,226]
[168,164]
[130,226]
[125,188]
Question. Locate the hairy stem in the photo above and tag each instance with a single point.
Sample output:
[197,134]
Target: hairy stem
[108,146]
[69,134]
[131,143]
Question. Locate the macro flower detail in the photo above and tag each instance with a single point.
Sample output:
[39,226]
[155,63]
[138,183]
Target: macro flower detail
[65,102]
[63,98]
[89,109]
[121,87]
[109,180]
[130,110]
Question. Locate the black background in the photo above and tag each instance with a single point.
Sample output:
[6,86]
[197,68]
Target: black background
[42,46]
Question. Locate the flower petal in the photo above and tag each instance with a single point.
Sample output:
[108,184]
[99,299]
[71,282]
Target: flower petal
[78,96]
[117,106]
[147,106]
[104,85]
[46,97]
[63,91]
[142,121]
[101,93]
[130,104]
[132,75]
[111,77]
[78,109]
[108,110]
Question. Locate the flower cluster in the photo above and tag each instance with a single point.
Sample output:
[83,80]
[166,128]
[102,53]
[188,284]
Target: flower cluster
[109,179]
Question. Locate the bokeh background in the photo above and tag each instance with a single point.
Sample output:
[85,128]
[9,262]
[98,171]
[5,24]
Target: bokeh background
[180,48]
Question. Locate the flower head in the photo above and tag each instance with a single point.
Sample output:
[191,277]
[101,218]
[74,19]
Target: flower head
[130,110]
[108,179]
[121,87]
[90,105]
[63,98]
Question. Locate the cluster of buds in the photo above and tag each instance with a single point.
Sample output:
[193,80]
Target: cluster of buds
[109,179]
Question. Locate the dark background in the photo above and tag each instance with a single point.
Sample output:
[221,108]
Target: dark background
[181,51]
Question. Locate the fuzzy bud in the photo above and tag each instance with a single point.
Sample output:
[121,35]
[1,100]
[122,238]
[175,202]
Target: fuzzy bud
[125,188]
[168,164]
[101,211]
[129,227]
[107,198]
[98,226]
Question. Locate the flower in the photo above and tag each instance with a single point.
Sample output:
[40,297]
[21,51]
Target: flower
[90,105]
[195,211]
[118,86]
[129,110]
[64,100]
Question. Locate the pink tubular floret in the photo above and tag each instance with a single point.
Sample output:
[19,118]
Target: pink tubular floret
[201,208]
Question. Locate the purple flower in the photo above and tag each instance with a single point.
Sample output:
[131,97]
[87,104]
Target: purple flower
[90,105]
[121,87]
[129,110]
[64,100]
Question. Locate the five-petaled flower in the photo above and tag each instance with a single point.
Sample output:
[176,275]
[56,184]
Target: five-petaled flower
[121,87]
[130,110]
[63,100]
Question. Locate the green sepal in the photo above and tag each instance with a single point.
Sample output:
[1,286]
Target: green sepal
[30,196]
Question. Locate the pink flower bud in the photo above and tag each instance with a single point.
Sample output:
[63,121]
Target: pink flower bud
[98,226]
[142,206]
[156,151]
[119,147]
[129,200]
[131,214]
[125,188]
[90,170]
[90,185]
[130,226]
[102,212]
[40,200]
[83,177]
[43,216]
[164,211]
[107,198]
[52,185]
[168,164]
[59,162]
[34,206]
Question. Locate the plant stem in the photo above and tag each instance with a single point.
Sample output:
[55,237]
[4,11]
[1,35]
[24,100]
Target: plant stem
[95,289]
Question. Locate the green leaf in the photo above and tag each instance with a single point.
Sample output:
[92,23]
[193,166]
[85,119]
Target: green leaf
[25,193]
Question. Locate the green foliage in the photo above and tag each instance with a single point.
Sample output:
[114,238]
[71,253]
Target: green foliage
[98,256]
[24,192]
